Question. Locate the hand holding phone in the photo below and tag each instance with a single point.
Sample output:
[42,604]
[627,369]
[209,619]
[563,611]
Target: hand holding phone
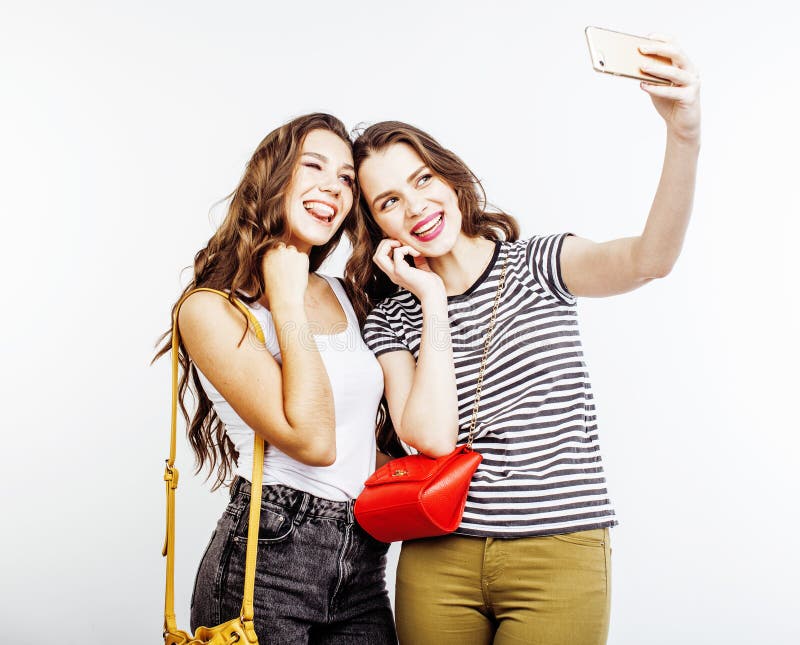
[616,53]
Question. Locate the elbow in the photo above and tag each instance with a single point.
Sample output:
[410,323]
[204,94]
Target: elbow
[323,459]
[653,269]
[439,449]
[662,268]
[431,446]
[657,271]
[311,446]
[320,454]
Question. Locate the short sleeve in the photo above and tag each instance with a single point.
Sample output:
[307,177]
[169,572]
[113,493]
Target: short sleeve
[380,334]
[543,258]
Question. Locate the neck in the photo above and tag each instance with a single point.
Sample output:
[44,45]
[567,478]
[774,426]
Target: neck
[463,264]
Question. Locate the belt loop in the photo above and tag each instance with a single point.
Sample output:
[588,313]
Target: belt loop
[302,508]
[351,517]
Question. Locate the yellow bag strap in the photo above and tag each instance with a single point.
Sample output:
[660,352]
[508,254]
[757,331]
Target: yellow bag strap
[171,479]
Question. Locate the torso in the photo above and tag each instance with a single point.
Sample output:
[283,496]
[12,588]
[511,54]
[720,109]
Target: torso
[536,429]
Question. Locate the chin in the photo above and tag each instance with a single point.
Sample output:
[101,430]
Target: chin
[435,248]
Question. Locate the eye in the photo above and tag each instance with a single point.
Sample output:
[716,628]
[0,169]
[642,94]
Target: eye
[388,203]
[424,179]
[348,180]
[311,164]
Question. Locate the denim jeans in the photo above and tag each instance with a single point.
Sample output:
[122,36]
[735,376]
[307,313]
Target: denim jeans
[319,576]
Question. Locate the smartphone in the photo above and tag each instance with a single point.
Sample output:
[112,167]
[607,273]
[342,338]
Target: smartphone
[616,53]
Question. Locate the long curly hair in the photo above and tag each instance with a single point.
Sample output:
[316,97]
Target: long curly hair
[255,222]
[366,284]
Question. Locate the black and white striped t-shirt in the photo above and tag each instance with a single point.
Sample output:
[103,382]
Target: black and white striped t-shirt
[541,472]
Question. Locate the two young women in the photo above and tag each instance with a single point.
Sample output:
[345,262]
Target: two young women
[530,561]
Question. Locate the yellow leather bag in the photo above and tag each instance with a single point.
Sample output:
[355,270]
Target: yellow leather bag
[242,629]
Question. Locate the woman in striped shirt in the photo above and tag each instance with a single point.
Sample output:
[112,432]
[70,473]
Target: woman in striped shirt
[530,561]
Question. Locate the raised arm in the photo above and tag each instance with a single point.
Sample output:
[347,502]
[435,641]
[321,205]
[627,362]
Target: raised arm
[608,268]
[290,406]
[422,397]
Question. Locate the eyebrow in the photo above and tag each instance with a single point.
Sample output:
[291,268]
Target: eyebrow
[317,155]
[408,181]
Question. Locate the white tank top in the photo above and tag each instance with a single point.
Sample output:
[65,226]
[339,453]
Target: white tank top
[357,382]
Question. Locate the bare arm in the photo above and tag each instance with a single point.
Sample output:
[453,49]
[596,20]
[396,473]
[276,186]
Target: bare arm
[291,406]
[604,269]
[267,398]
[422,397]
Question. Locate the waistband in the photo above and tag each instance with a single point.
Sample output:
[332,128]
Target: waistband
[297,500]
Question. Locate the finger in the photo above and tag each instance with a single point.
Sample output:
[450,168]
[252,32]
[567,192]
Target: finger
[385,247]
[384,263]
[675,93]
[399,254]
[667,50]
[668,72]
[401,267]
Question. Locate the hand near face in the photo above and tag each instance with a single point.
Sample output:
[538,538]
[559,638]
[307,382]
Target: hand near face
[285,273]
[678,104]
[419,279]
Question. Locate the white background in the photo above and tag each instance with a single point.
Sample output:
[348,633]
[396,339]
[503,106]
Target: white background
[123,123]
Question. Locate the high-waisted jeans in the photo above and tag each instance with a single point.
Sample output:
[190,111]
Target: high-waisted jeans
[319,576]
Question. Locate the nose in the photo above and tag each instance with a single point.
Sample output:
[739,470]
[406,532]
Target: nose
[331,185]
[417,209]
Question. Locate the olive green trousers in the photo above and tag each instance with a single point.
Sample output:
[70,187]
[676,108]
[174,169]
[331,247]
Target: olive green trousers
[459,590]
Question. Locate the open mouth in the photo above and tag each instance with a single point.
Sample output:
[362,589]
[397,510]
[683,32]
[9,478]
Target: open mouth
[320,210]
[430,228]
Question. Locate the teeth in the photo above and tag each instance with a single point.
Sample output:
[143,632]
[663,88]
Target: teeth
[430,227]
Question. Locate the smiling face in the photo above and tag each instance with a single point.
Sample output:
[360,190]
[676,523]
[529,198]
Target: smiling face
[408,201]
[321,193]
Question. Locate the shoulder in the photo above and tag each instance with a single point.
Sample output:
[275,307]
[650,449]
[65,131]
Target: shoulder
[402,302]
[202,308]
[204,314]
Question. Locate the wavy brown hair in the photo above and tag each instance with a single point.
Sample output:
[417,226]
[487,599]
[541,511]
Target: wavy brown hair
[366,284]
[255,222]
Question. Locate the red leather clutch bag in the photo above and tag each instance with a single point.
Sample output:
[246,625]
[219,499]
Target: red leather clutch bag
[417,496]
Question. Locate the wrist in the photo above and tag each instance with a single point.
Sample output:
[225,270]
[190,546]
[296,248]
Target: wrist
[689,140]
[287,309]
[432,295]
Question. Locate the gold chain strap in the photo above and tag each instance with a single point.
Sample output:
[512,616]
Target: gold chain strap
[486,344]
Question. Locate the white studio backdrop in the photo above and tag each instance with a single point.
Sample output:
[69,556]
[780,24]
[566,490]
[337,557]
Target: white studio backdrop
[123,123]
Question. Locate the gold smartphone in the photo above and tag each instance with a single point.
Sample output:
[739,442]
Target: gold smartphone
[616,53]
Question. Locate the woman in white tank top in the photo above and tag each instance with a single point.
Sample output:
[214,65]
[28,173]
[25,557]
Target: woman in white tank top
[312,396]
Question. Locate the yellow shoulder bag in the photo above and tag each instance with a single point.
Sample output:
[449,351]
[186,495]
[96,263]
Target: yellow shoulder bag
[242,628]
